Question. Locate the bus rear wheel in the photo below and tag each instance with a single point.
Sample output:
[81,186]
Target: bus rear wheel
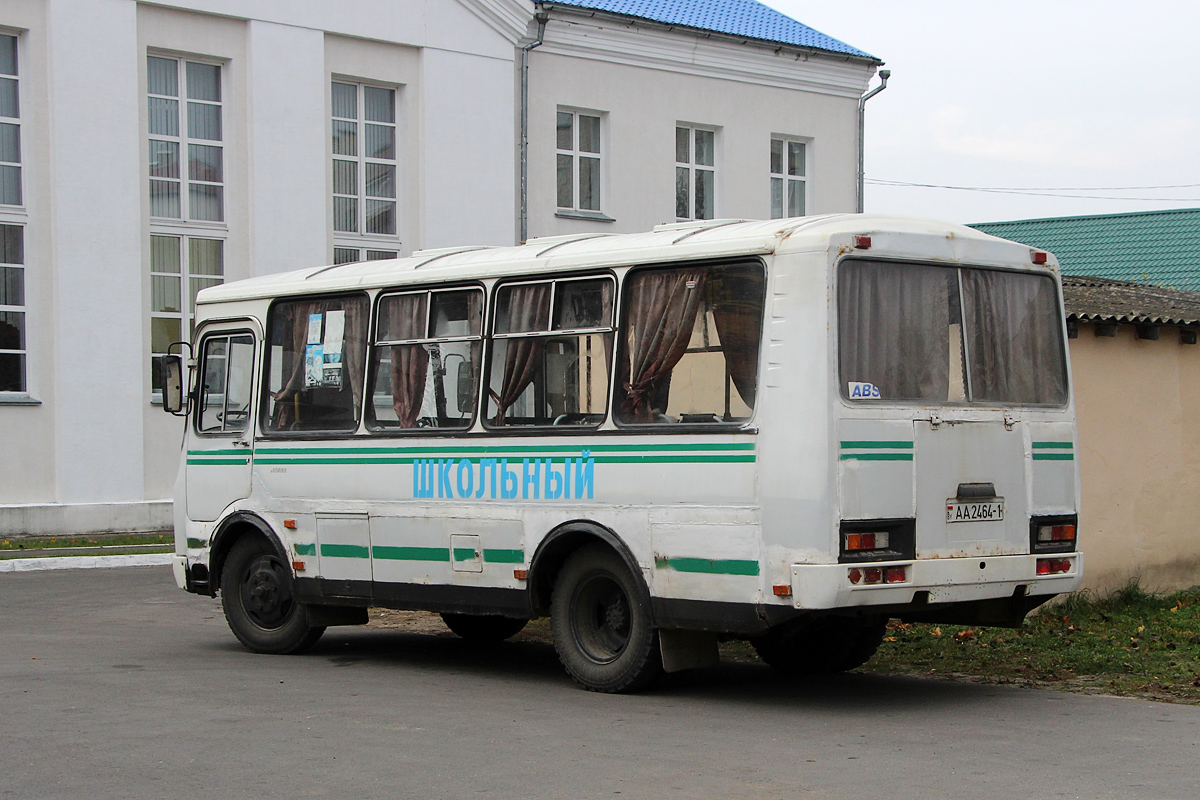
[480,628]
[600,620]
[258,596]
[822,647]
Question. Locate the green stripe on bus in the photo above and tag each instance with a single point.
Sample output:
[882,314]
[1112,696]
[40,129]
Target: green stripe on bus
[1053,456]
[665,459]
[464,553]
[237,451]
[877,457]
[306,549]
[709,566]
[219,462]
[196,544]
[500,556]
[1046,445]
[411,553]
[488,450]
[865,444]
[345,551]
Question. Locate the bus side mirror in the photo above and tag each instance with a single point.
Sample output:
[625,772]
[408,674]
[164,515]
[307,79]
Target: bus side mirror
[171,376]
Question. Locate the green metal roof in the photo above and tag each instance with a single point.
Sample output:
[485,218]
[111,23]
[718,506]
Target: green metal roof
[1160,248]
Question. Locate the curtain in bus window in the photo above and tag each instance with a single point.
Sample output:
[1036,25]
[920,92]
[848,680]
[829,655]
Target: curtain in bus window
[321,346]
[1014,337]
[528,309]
[737,305]
[410,363]
[661,316]
[292,323]
[894,328]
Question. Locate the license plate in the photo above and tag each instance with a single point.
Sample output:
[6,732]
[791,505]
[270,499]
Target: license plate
[991,511]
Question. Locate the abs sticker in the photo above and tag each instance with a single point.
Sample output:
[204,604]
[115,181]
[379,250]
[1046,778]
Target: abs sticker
[863,391]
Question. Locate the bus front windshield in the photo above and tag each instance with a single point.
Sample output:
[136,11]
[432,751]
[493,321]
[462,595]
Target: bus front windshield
[924,334]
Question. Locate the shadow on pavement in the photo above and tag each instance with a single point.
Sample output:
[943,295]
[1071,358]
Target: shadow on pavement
[734,682]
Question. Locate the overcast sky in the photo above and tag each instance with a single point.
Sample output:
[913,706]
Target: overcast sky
[1028,94]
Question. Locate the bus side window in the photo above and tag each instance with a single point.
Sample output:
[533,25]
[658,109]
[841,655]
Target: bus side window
[425,362]
[316,359]
[551,351]
[225,381]
[690,345]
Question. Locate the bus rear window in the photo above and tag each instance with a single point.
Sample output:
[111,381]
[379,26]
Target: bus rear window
[921,333]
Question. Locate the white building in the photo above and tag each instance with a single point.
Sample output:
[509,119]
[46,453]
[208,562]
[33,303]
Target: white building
[150,149]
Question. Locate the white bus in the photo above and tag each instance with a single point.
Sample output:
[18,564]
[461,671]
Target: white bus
[786,431]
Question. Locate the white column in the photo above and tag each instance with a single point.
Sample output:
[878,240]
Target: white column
[96,179]
[469,142]
[287,158]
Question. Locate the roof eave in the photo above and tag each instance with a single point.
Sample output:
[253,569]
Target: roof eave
[865,60]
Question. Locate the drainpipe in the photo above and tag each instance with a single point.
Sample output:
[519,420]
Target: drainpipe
[542,19]
[884,74]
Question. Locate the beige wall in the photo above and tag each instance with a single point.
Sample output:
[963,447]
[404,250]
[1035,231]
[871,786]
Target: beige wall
[1140,460]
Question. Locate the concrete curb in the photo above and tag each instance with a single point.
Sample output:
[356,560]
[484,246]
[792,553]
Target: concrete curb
[84,562]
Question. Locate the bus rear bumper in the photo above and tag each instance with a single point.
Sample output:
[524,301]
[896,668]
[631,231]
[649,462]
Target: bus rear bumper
[946,580]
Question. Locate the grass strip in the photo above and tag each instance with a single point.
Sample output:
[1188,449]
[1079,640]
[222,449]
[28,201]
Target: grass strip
[1130,642]
[108,541]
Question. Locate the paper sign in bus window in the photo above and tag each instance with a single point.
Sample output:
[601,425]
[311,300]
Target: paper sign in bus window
[863,391]
[313,353]
[335,329]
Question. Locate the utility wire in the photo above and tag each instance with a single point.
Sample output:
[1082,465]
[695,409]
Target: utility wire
[1052,192]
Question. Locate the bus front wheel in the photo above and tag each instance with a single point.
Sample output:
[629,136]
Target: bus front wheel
[601,623]
[827,645]
[480,628]
[257,594]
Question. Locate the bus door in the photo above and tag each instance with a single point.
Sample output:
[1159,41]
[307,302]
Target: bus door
[220,437]
[971,490]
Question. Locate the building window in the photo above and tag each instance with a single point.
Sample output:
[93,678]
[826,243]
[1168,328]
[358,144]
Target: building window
[10,124]
[364,161]
[787,178]
[13,348]
[695,173]
[578,153]
[187,172]
[348,255]
[180,266]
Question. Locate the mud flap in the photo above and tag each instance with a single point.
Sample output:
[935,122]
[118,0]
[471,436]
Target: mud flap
[688,650]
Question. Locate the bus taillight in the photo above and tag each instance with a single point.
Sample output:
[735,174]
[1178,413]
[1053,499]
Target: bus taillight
[1053,566]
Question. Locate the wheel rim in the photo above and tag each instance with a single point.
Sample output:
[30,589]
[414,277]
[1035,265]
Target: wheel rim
[601,621]
[267,593]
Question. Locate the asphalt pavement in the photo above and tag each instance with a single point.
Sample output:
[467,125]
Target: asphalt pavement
[115,684]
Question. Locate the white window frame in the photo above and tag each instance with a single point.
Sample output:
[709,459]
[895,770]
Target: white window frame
[189,283]
[15,215]
[368,245]
[576,156]
[23,310]
[184,227]
[184,140]
[693,168]
[784,179]
[18,164]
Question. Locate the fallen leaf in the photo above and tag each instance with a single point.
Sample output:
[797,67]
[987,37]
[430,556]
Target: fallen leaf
[936,632]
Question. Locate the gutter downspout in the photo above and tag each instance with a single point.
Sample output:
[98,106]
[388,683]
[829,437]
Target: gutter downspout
[884,74]
[542,19]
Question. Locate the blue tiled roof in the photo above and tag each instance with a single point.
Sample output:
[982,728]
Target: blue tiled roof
[746,18]
[1161,248]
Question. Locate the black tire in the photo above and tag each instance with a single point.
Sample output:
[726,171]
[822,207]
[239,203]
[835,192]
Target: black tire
[257,594]
[480,628]
[600,619]
[828,645]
